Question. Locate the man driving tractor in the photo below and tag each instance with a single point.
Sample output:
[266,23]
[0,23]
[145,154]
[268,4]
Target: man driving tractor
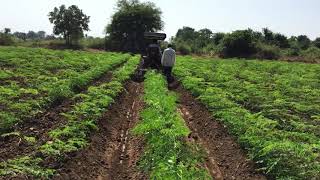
[154,55]
[153,58]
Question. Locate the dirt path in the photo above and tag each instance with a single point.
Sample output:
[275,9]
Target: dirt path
[226,159]
[113,152]
[39,126]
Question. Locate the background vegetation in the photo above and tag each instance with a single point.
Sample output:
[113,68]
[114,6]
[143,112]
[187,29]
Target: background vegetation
[132,18]
[247,44]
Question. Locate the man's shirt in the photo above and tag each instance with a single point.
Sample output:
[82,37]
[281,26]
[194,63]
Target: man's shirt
[168,58]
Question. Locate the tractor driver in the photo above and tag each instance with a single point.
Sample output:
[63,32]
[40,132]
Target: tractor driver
[154,54]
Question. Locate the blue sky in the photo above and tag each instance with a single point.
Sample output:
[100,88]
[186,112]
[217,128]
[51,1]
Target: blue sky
[290,17]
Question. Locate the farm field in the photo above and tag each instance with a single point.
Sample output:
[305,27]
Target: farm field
[272,108]
[78,115]
[33,79]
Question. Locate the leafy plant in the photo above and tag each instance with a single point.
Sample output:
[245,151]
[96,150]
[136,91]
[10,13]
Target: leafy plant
[35,79]
[167,155]
[270,106]
[24,165]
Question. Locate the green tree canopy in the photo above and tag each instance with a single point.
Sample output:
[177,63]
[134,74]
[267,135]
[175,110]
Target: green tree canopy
[131,19]
[7,30]
[32,35]
[281,40]
[217,37]
[69,22]
[240,43]
[303,41]
[316,42]
[268,35]
[187,34]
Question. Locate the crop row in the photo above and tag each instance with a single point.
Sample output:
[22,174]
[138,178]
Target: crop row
[168,155]
[33,79]
[74,135]
[271,107]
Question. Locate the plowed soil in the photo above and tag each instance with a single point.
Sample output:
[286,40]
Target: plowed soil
[114,151]
[225,158]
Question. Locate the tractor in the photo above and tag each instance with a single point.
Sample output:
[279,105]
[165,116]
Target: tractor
[150,55]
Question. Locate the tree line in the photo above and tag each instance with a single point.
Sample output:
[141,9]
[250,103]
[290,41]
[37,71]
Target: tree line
[242,43]
[132,18]
[33,35]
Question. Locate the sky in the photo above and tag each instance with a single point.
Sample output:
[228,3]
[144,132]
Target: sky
[289,17]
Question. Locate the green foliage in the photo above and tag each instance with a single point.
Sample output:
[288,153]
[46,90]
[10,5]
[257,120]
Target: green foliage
[186,34]
[167,155]
[93,43]
[316,42]
[239,43]
[303,42]
[82,119]
[183,48]
[28,139]
[59,93]
[267,51]
[131,19]
[217,37]
[69,22]
[188,41]
[245,43]
[33,79]
[6,39]
[24,165]
[311,54]
[7,120]
[281,41]
[270,106]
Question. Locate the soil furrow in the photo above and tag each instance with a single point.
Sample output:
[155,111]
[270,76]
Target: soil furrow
[113,152]
[38,127]
[225,158]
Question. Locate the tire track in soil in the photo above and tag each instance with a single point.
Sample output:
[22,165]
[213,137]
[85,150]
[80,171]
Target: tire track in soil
[41,124]
[225,158]
[113,152]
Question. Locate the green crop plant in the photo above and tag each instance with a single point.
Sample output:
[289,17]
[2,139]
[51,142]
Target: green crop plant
[25,165]
[270,106]
[33,79]
[168,155]
[82,120]
[28,139]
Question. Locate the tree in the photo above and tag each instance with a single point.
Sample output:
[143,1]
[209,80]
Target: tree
[20,35]
[281,40]
[240,43]
[6,38]
[50,37]
[131,19]
[70,23]
[316,42]
[217,37]
[303,41]
[32,35]
[41,34]
[7,30]
[204,37]
[187,34]
[268,35]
